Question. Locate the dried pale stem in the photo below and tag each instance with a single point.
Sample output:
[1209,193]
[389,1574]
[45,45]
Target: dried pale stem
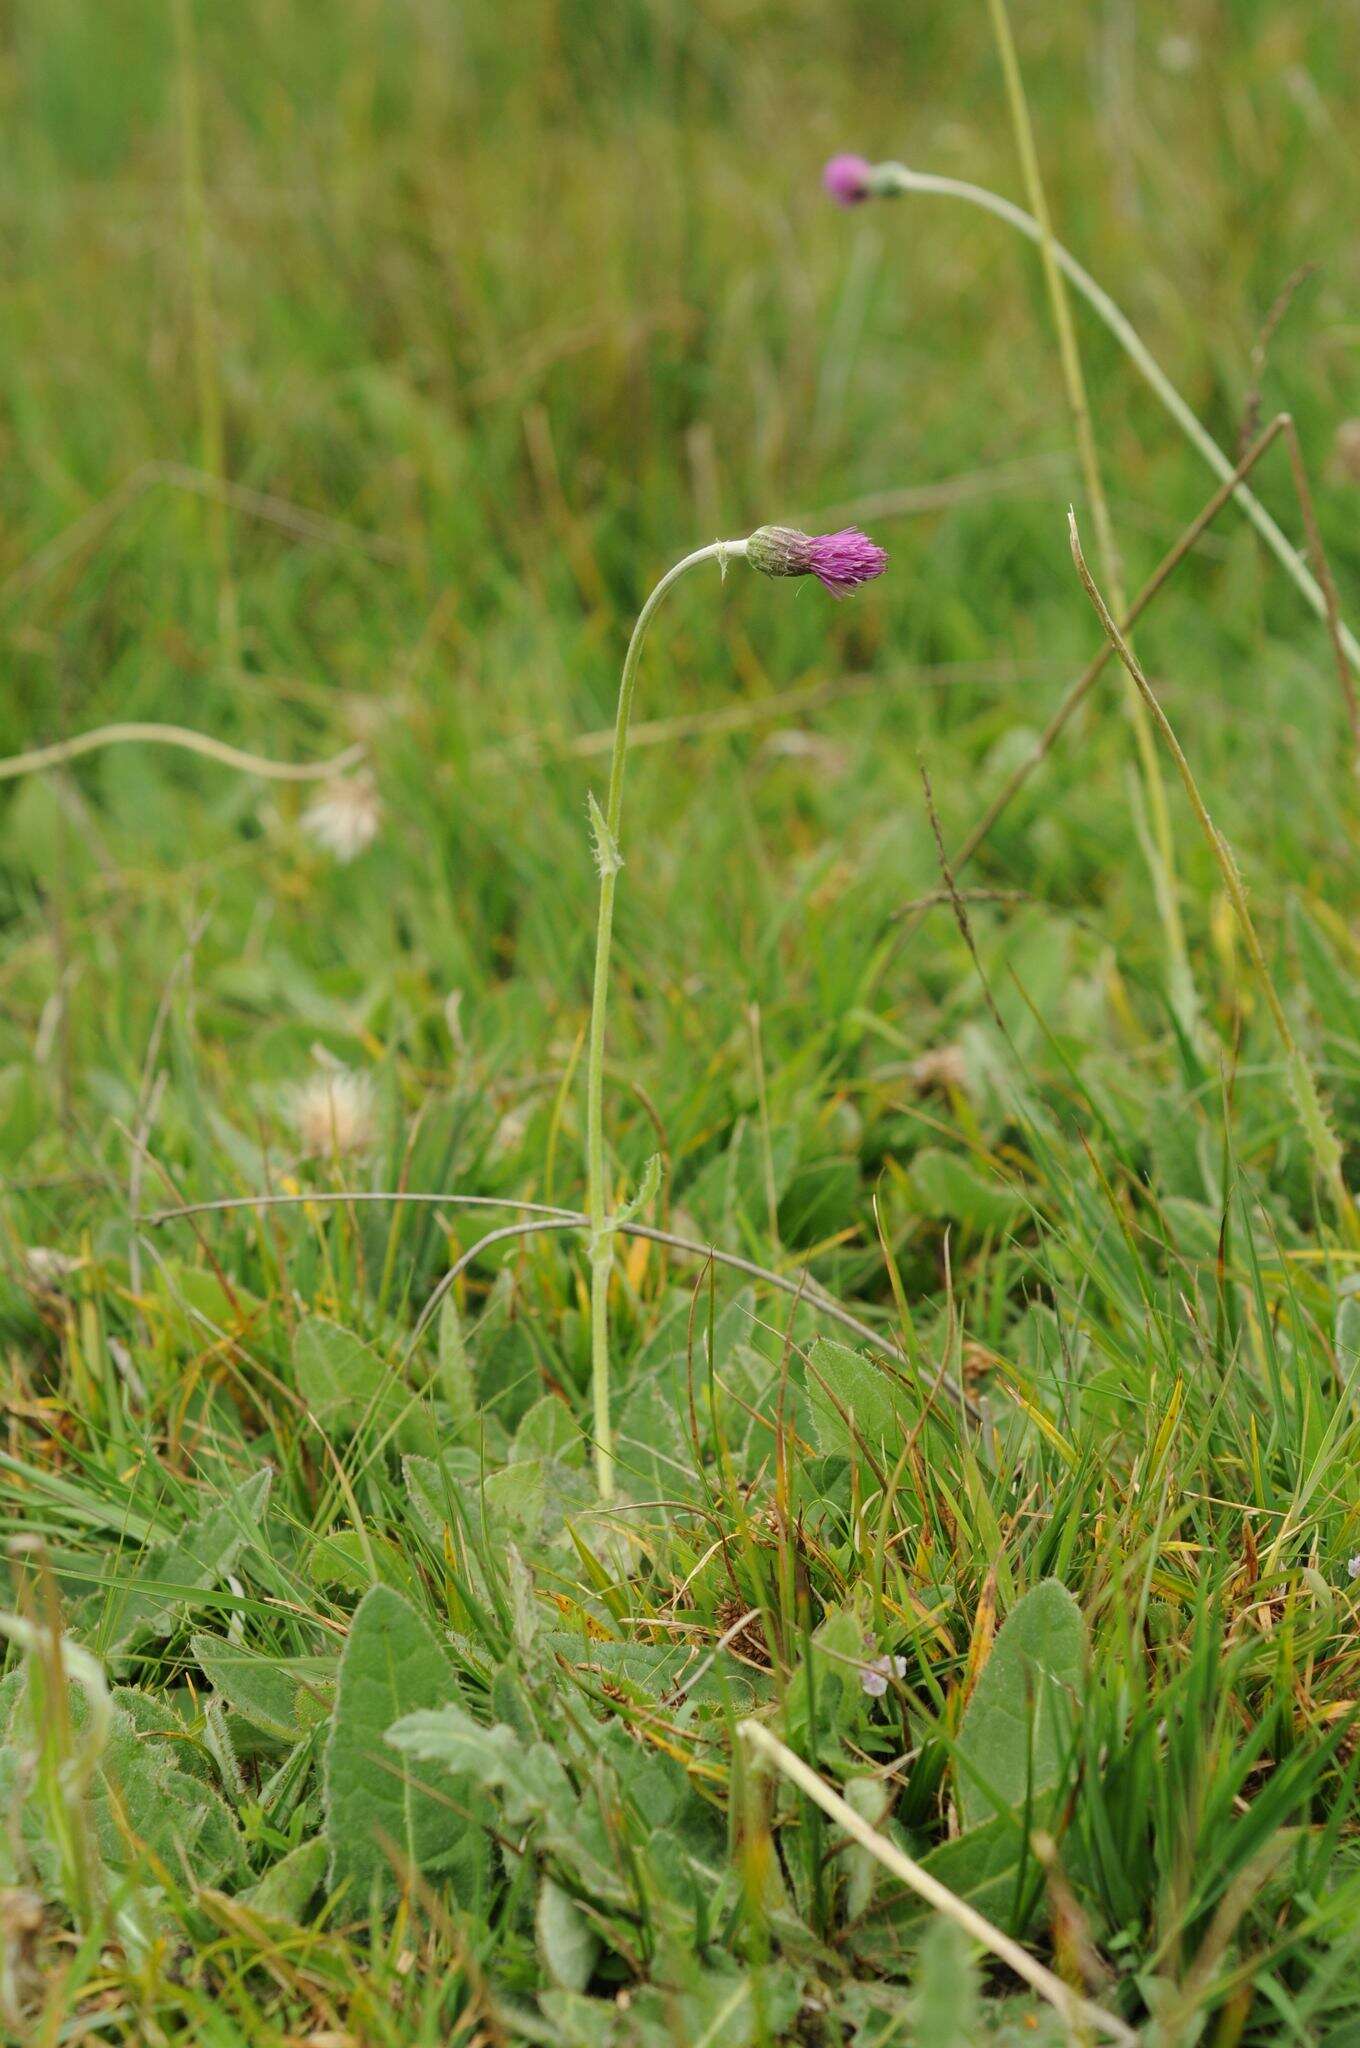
[545,1216]
[1075,2010]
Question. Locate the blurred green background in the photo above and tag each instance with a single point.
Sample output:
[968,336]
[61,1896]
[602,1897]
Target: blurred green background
[530,302]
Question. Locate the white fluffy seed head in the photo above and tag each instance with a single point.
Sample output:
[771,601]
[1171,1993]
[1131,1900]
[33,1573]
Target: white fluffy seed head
[48,1268]
[345,818]
[942,1067]
[333,1112]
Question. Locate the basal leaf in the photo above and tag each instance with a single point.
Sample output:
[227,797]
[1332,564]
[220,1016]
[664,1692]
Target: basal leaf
[1017,1727]
[284,1698]
[568,1945]
[348,1387]
[854,1402]
[393,1665]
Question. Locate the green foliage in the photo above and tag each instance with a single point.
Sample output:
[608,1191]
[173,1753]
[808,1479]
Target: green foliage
[347,1387]
[152,1592]
[382,1824]
[1018,1731]
[945,2008]
[856,1403]
[464,328]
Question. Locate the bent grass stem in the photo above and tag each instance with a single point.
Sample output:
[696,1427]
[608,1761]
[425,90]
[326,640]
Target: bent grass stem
[1322,1139]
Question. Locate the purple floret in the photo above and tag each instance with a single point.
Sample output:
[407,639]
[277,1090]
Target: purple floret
[842,561]
[846,178]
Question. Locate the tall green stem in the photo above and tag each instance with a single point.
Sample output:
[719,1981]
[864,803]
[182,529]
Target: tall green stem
[609,861]
[1162,852]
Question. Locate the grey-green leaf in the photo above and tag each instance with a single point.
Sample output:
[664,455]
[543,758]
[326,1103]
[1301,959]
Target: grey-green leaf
[1017,1728]
[393,1665]
[568,1945]
[288,1886]
[348,1387]
[284,1698]
[855,1402]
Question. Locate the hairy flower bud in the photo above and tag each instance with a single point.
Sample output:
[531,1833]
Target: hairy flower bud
[779,551]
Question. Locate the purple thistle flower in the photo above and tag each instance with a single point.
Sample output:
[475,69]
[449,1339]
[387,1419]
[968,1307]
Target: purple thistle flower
[1353,1567]
[839,561]
[847,178]
[842,561]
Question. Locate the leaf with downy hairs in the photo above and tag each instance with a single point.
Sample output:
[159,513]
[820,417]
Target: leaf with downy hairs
[1017,1729]
[377,1806]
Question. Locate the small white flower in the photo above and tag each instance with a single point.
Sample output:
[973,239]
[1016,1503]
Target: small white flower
[332,1112]
[1353,1567]
[346,816]
[874,1677]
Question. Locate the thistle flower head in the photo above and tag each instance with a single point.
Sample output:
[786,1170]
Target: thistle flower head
[839,561]
[332,1112]
[345,817]
[1353,1567]
[848,179]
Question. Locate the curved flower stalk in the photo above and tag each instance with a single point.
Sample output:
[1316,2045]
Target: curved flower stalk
[849,180]
[840,562]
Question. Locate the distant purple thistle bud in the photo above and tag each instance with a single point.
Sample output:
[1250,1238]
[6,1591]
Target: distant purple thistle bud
[847,179]
[839,561]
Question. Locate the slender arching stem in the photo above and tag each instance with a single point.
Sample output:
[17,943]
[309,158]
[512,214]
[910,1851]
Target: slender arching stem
[609,861]
[893,179]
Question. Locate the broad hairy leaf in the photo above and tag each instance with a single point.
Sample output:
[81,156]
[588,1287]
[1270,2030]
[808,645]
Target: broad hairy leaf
[532,1787]
[347,1387]
[283,1697]
[854,1401]
[393,1665]
[1017,1727]
[568,1945]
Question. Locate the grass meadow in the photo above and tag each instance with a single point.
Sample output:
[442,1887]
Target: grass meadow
[362,369]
